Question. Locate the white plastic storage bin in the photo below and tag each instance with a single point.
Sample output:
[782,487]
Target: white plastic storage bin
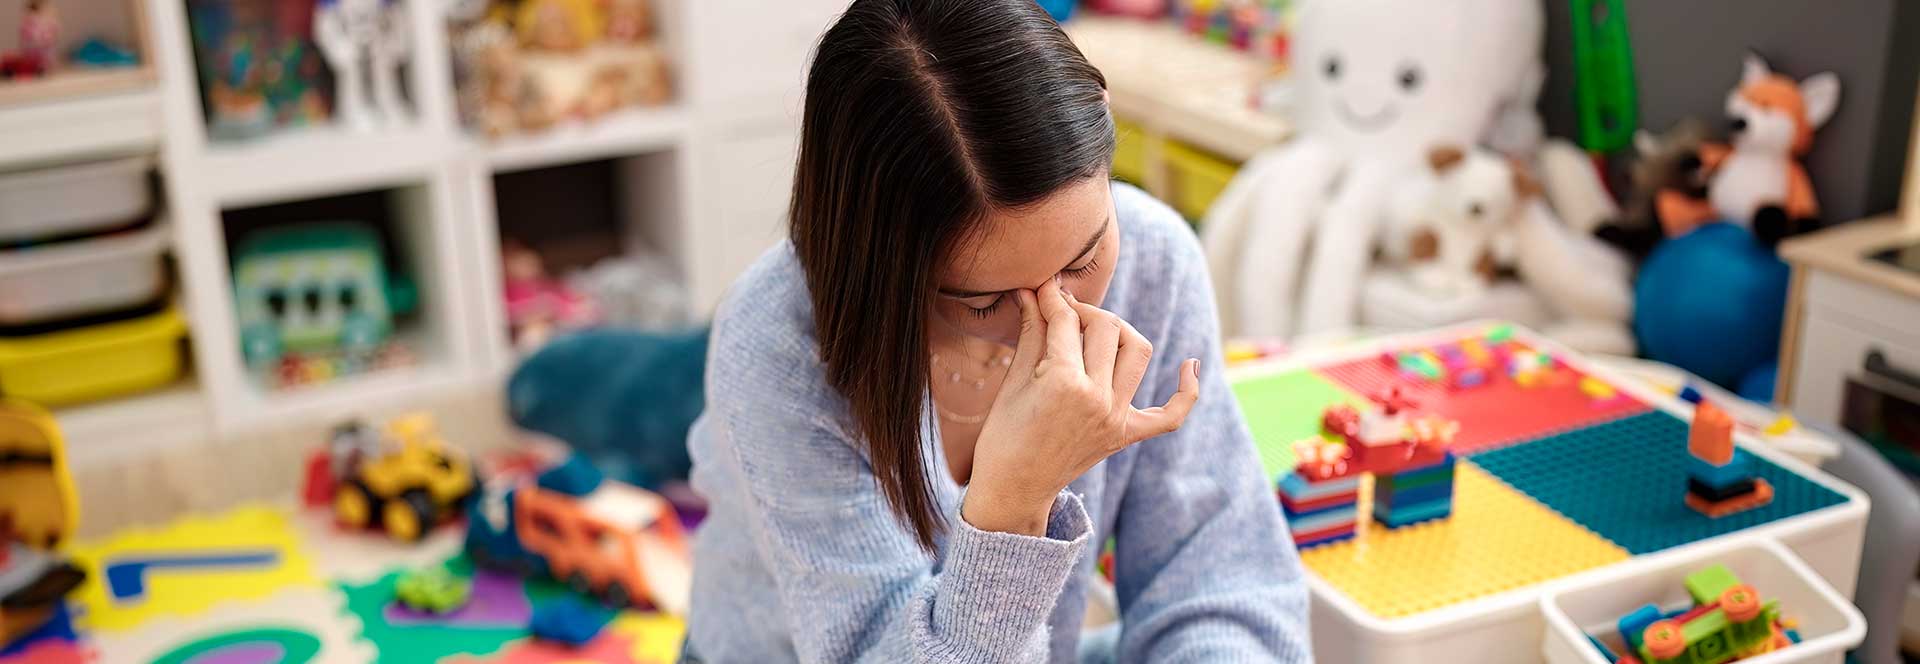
[74,199]
[1828,624]
[79,277]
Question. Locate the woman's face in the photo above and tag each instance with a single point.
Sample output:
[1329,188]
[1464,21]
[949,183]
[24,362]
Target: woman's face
[1070,235]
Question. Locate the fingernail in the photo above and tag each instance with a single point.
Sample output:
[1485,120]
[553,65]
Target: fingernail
[1196,367]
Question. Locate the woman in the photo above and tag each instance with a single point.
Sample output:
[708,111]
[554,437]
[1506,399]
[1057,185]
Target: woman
[974,362]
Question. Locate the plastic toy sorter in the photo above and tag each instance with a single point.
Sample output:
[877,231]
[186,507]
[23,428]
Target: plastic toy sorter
[1826,624]
[1566,474]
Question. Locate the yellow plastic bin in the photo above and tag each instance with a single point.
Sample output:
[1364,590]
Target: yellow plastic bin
[96,362]
[1130,152]
[1195,178]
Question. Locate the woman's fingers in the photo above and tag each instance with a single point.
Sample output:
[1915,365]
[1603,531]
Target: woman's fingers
[1130,366]
[1102,342]
[1033,335]
[1063,326]
[1144,424]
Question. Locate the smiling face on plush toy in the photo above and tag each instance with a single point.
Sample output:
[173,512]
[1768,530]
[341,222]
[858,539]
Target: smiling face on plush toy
[1402,75]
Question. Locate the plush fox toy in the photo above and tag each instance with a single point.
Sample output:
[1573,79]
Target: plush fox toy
[1758,179]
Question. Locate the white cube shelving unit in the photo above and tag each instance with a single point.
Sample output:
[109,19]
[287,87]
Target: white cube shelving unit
[702,180]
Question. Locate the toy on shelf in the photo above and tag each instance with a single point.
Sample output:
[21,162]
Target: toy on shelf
[404,480]
[433,590]
[1727,621]
[316,301]
[1721,479]
[366,42]
[258,68]
[39,33]
[1259,27]
[603,538]
[1757,180]
[539,305]
[38,512]
[542,62]
[1408,456]
[1462,232]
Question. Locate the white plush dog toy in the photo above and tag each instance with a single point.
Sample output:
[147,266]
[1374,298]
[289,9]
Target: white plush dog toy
[1379,83]
[1463,231]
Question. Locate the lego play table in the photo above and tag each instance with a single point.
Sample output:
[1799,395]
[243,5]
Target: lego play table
[1562,474]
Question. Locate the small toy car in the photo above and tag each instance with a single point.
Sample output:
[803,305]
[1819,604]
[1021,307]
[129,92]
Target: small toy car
[434,590]
[403,482]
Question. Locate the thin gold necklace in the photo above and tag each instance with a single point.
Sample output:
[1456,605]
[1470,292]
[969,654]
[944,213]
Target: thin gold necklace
[1000,360]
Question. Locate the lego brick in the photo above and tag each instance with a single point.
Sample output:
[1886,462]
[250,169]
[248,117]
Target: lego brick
[1301,488]
[1384,493]
[1292,507]
[1626,481]
[1715,494]
[1402,482]
[1761,496]
[1496,540]
[1721,476]
[1706,585]
[1411,477]
[1497,413]
[1307,514]
[1711,436]
[1632,625]
[1398,516]
[1283,408]
[1326,536]
[1324,520]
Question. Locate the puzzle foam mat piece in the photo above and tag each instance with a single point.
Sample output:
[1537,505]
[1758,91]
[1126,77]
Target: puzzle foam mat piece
[294,626]
[1496,540]
[1501,412]
[50,651]
[362,557]
[1627,481]
[411,641]
[632,638]
[186,568]
[1286,407]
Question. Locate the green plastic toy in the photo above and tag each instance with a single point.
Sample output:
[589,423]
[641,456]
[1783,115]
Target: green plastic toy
[314,288]
[433,591]
[1603,76]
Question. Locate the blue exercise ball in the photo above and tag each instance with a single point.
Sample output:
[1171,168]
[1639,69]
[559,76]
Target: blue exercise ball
[1060,9]
[1710,302]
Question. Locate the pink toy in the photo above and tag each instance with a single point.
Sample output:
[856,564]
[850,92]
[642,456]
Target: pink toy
[39,34]
[536,302]
[1134,8]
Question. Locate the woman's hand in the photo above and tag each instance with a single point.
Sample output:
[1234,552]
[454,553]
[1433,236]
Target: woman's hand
[1067,404]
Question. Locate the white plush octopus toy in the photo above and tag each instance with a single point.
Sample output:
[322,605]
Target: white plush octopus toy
[1376,85]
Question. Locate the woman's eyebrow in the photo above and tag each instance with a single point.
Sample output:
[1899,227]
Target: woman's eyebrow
[1084,250]
[964,294]
[1091,243]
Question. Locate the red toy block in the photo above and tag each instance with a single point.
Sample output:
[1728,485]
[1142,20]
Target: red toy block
[318,489]
[1711,437]
[1303,506]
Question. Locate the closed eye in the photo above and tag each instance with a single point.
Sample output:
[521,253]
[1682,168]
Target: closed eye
[1084,270]
[979,311]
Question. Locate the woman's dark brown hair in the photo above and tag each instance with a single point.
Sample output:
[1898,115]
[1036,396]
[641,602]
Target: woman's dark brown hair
[921,116]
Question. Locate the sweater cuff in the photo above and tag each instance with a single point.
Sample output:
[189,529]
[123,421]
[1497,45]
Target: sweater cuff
[998,589]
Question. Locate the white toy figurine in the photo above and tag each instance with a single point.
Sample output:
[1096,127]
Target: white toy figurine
[364,39]
[1378,83]
[1463,230]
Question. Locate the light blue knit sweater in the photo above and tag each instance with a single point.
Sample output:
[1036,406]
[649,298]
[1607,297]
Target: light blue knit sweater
[800,559]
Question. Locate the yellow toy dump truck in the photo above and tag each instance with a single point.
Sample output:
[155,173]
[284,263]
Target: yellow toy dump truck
[403,480]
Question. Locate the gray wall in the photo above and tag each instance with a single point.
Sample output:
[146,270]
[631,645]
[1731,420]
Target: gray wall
[1687,57]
